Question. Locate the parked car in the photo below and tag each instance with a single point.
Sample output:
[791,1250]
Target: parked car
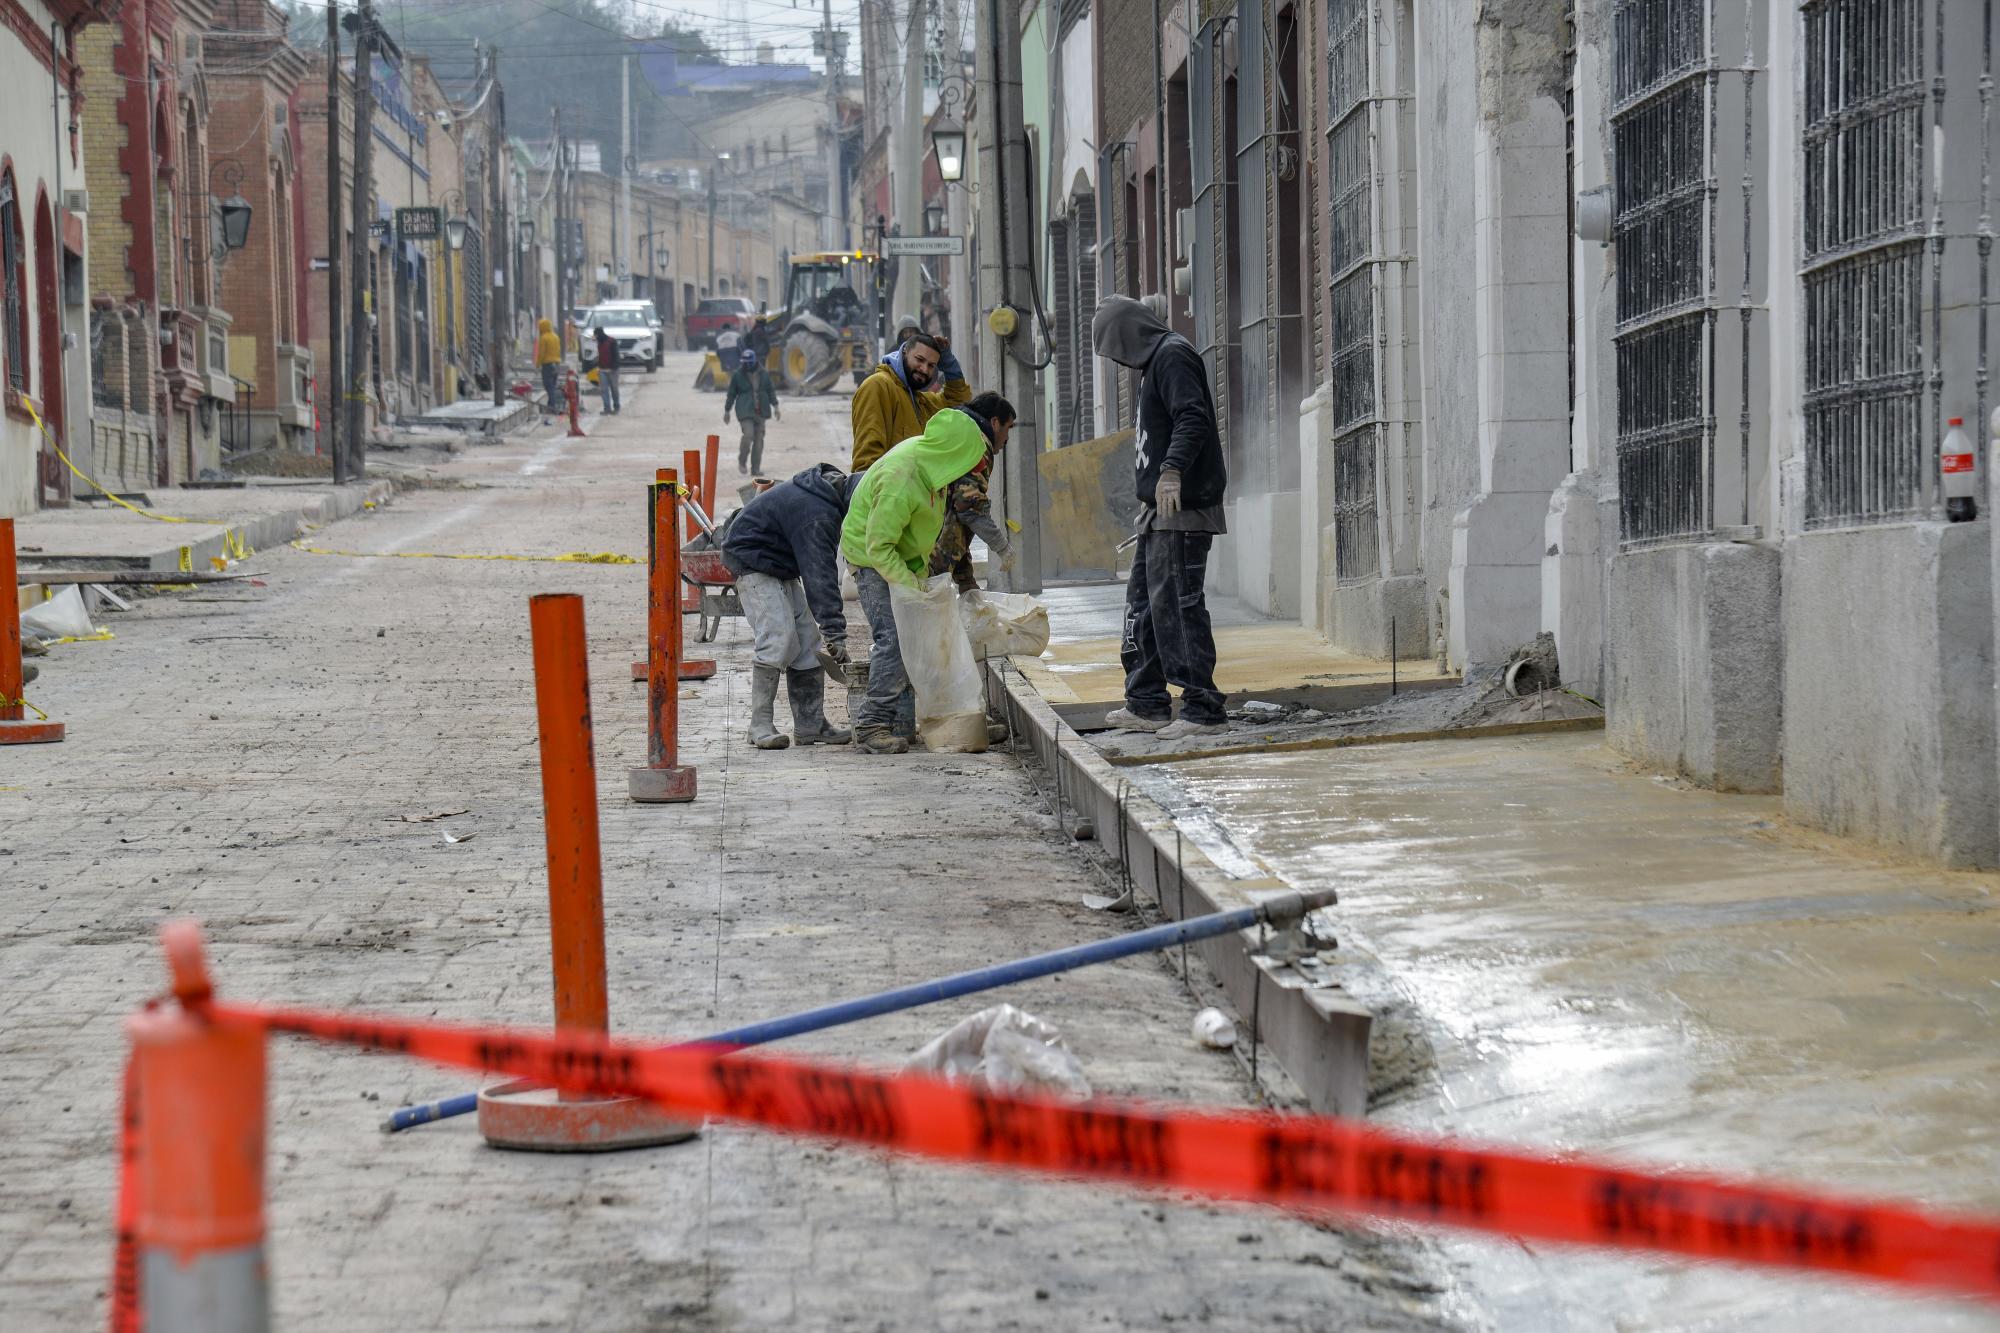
[638,341]
[716,314]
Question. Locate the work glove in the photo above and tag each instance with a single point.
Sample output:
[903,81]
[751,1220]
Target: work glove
[1167,493]
[1006,561]
[837,650]
[725,417]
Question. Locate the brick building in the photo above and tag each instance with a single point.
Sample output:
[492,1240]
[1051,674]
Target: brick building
[255,91]
[156,338]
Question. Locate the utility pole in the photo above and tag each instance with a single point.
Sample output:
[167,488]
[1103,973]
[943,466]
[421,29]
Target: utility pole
[562,230]
[836,178]
[334,409]
[625,164]
[910,166]
[498,315]
[713,167]
[361,308]
[1006,259]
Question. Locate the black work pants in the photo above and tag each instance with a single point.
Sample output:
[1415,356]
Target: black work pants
[1168,639]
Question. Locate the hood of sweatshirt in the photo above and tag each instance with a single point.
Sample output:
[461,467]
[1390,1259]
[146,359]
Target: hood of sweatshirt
[1125,331]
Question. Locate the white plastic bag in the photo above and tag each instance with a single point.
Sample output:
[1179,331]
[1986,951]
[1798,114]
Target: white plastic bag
[1001,624]
[63,616]
[951,706]
[1008,1050]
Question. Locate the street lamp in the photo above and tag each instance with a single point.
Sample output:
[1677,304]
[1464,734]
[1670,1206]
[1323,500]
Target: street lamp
[234,211]
[525,234]
[454,231]
[933,219]
[948,141]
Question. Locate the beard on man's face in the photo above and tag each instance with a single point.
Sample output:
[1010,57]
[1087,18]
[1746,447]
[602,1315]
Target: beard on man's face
[920,378]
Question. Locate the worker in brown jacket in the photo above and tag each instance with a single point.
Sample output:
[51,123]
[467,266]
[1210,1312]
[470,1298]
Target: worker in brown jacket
[895,402]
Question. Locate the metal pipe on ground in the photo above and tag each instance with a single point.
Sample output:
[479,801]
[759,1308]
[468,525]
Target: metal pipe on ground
[1280,910]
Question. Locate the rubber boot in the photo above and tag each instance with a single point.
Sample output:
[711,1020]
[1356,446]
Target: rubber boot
[763,698]
[807,691]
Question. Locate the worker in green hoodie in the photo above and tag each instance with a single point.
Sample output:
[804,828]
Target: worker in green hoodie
[891,528]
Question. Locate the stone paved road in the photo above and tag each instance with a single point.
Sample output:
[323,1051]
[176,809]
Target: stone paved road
[245,756]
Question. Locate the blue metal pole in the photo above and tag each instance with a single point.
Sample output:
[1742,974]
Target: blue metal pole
[1282,910]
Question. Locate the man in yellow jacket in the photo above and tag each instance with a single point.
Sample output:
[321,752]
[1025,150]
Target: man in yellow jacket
[898,400]
[548,356]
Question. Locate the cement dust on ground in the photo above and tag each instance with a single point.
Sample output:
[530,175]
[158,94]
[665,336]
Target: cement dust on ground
[250,762]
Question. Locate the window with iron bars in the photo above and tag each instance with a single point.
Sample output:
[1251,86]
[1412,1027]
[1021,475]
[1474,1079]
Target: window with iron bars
[1868,456]
[1660,127]
[1350,188]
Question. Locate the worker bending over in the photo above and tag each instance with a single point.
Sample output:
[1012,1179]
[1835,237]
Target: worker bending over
[781,549]
[898,400]
[890,532]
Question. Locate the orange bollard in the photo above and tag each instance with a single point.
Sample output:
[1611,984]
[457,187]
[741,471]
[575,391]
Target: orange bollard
[691,469]
[711,478]
[15,728]
[196,1183]
[664,779]
[569,392]
[700,668]
[520,1115]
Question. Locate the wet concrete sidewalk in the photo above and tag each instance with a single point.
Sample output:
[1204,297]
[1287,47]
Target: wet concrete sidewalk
[1566,953]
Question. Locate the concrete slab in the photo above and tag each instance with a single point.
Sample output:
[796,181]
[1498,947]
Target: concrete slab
[1568,954]
[205,523]
[1253,653]
[480,416]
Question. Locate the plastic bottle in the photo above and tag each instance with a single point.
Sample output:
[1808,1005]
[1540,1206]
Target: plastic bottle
[1961,474]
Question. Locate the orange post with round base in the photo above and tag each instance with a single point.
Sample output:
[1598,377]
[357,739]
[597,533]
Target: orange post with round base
[193,1194]
[514,1115]
[569,392]
[701,668]
[16,727]
[698,497]
[664,779]
[711,480]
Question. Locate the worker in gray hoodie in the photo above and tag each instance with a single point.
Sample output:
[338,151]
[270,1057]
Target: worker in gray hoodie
[1180,481]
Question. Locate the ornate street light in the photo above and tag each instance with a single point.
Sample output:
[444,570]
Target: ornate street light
[948,142]
[234,211]
[933,219]
[454,231]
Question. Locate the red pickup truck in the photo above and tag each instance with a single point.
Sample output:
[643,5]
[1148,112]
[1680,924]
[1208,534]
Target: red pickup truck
[718,314]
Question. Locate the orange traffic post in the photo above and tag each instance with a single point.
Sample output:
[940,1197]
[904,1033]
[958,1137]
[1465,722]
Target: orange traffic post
[701,668]
[569,392]
[697,496]
[194,1191]
[711,479]
[520,1115]
[16,728]
[664,779]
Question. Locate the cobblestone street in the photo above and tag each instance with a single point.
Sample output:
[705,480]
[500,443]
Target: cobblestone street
[248,756]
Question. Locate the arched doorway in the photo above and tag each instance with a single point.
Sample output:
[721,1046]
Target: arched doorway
[47,258]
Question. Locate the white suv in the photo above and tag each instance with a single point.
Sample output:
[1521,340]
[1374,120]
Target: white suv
[637,336]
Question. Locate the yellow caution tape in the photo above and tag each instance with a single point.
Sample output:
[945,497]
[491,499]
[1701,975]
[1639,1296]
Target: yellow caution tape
[566,558]
[231,541]
[5,702]
[85,638]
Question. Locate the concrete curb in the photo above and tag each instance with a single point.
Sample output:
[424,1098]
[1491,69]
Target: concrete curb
[255,534]
[1317,1033]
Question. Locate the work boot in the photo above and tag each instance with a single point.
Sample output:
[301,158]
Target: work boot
[763,698]
[807,691]
[880,740]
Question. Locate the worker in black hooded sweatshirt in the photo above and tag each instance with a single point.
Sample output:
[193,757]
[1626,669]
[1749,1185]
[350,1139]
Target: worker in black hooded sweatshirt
[1180,483]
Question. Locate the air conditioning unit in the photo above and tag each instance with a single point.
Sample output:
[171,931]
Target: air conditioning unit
[76,201]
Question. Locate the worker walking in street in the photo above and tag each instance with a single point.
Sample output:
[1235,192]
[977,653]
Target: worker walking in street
[781,549]
[891,529]
[548,359]
[754,399]
[899,397]
[607,370]
[1180,480]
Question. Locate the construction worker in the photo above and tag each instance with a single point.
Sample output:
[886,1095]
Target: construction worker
[548,358]
[781,548]
[968,513]
[897,400]
[1180,479]
[754,398]
[606,349]
[890,531]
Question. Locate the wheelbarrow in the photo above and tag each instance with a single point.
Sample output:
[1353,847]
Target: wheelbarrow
[702,569]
